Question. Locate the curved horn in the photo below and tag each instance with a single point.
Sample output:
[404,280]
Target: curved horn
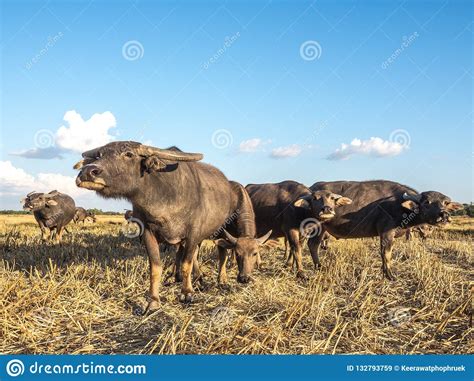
[29,194]
[264,238]
[230,237]
[412,197]
[143,150]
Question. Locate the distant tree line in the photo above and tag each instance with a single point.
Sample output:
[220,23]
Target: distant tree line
[467,211]
[94,210]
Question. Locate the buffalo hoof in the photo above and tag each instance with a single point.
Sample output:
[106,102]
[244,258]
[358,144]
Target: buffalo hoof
[224,287]
[202,285]
[318,266]
[301,275]
[186,298]
[153,306]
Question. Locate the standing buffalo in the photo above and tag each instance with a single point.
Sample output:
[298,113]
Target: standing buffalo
[293,211]
[53,211]
[178,199]
[82,215]
[384,209]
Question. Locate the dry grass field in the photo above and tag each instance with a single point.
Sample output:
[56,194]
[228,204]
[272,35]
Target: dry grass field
[85,297]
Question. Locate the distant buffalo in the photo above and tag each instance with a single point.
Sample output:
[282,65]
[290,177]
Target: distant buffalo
[53,211]
[83,215]
[382,209]
[293,211]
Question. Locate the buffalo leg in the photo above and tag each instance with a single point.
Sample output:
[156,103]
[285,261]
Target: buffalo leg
[59,234]
[177,266]
[222,275]
[45,233]
[386,245]
[294,241]
[197,273]
[156,268]
[290,258]
[408,234]
[186,270]
[314,243]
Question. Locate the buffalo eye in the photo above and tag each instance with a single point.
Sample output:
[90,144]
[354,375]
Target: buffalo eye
[129,154]
[254,254]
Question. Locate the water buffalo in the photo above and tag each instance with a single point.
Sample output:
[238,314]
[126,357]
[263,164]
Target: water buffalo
[52,211]
[179,199]
[293,211]
[382,208]
[82,215]
[239,235]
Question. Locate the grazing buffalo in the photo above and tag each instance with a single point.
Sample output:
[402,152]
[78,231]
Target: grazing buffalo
[178,199]
[292,211]
[384,209]
[239,235]
[53,211]
[82,215]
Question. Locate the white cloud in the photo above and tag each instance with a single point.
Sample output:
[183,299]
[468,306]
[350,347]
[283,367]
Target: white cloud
[252,145]
[78,136]
[82,135]
[288,151]
[376,147]
[16,182]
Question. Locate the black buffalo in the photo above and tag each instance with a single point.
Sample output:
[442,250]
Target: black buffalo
[382,209]
[53,211]
[293,211]
[82,215]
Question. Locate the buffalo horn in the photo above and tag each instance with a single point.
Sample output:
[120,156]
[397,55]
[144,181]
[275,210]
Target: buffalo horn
[230,237]
[166,154]
[412,197]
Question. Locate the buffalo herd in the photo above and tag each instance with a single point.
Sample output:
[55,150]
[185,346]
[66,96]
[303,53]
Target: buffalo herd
[181,201]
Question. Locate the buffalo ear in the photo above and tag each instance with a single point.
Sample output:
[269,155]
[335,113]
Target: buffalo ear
[454,206]
[155,164]
[343,201]
[410,205]
[224,243]
[51,203]
[302,203]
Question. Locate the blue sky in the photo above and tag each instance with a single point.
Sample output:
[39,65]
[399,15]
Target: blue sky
[267,90]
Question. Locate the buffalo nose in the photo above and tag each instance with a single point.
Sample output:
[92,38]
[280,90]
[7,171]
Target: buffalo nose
[90,172]
[243,278]
[327,209]
[444,214]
